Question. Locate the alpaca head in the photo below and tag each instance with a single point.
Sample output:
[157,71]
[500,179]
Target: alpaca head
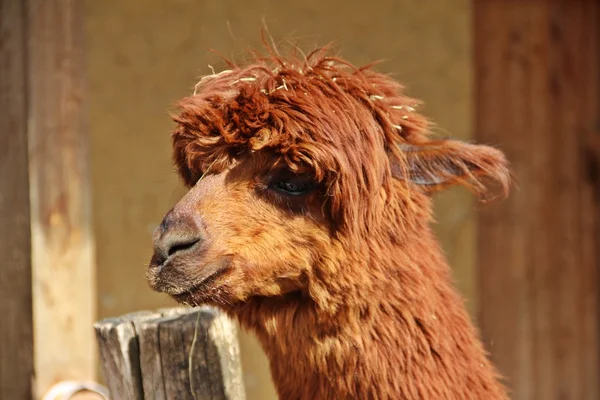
[291,165]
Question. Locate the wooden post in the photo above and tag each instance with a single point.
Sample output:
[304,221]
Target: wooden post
[64,292]
[538,99]
[174,354]
[16,328]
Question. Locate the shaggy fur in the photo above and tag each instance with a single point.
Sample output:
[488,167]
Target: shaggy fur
[345,286]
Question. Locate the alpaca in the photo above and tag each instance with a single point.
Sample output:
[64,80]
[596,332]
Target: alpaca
[308,219]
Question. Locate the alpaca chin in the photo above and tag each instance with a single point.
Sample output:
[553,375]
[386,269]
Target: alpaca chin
[173,277]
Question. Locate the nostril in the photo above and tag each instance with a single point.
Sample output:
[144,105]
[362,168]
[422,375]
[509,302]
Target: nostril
[177,247]
[177,233]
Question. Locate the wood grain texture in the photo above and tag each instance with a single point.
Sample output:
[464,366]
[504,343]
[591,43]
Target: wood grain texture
[150,363]
[120,355]
[16,328]
[63,260]
[171,354]
[537,98]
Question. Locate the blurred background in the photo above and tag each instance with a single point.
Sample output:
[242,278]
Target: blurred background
[102,77]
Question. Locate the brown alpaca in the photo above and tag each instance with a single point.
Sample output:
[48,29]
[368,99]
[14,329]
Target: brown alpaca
[307,219]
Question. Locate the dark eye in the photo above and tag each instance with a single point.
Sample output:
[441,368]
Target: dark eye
[293,187]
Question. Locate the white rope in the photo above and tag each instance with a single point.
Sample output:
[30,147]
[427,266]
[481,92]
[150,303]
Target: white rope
[67,389]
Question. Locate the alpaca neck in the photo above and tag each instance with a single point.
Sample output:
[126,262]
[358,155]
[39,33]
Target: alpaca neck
[403,335]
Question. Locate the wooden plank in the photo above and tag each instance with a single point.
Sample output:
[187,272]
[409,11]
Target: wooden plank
[63,266]
[120,350]
[224,349]
[206,343]
[16,328]
[119,353]
[199,357]
[537,97]
[150,364]
[172,354]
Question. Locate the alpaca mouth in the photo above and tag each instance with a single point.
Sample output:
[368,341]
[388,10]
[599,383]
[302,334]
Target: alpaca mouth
[194,294]
[182,287]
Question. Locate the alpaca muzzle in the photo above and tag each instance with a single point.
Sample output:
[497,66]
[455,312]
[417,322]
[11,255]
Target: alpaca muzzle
[179,243]
[176,235]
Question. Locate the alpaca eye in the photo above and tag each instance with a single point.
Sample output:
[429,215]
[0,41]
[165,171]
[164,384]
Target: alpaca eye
[293,187]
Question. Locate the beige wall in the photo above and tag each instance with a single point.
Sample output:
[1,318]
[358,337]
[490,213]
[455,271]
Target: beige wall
[145,54]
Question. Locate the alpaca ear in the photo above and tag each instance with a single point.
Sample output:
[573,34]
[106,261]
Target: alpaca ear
[435,165]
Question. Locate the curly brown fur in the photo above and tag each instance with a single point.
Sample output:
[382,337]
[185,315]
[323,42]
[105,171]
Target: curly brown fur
[345,286]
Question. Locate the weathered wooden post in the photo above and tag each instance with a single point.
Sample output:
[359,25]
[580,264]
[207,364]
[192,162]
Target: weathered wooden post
[46,240]
[178,353]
